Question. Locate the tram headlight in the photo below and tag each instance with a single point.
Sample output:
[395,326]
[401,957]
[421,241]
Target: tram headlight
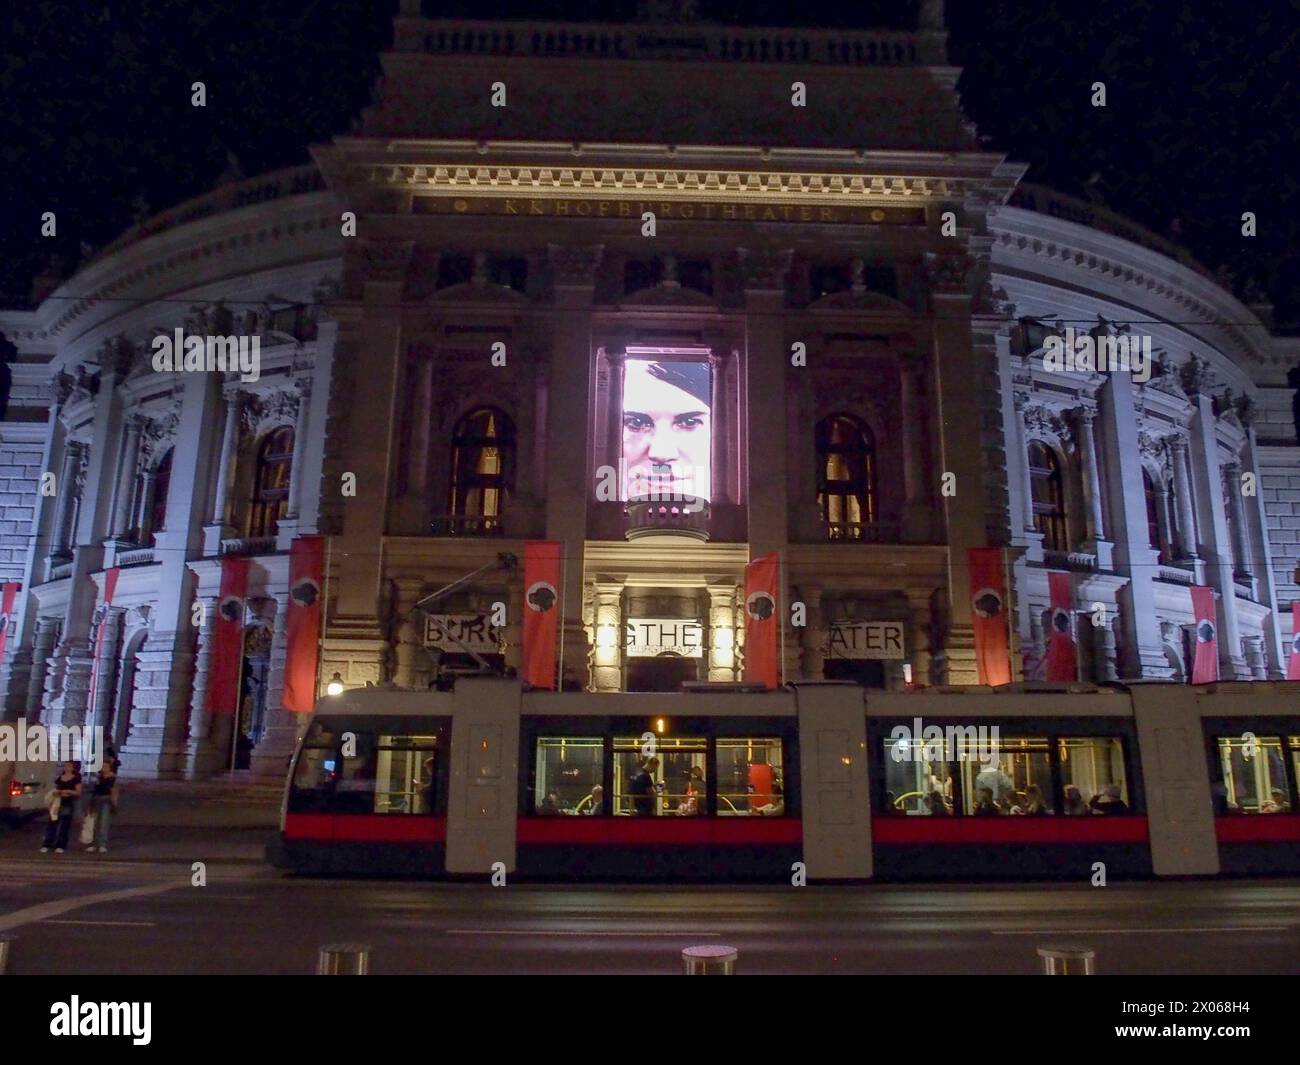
[335,686]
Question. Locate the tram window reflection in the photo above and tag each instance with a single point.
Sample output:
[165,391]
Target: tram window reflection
[1253,776]
[1005,777]
[918,779]
[663,779]
[404,775]
[751,777]
[1092,776]
[569,770]
[316,771]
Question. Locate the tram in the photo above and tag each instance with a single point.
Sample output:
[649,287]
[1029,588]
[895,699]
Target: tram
[817,781]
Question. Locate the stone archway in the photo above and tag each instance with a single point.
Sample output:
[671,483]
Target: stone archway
[118,728]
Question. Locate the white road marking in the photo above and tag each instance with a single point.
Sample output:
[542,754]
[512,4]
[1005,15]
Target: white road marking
[1144,931]
[114,924]
[46,910]
[541,932]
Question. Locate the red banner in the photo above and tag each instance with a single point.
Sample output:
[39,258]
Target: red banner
[989,615]
[302,625]
[1205,654]
[110,588]
[542,608]
[1293,664]
[7,614]
[1062,662]
[762,622]
[228,638]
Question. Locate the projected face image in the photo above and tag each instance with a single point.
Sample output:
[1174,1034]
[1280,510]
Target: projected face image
[667,429]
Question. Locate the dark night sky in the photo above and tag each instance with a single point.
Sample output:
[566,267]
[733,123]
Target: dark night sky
[1200,123]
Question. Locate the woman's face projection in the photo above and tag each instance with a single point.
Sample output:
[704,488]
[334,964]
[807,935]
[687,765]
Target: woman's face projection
[667,430]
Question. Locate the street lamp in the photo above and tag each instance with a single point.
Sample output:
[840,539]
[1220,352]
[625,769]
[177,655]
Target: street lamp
[335,686]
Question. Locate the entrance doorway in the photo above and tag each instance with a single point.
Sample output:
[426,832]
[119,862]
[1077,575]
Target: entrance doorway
[662,673]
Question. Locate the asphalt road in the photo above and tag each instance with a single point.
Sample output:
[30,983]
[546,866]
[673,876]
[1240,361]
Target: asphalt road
[136,910]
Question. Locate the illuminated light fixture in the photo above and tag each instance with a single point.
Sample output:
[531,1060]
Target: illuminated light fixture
[335,686]
[724,639]
[659,725]
[847,760]
[907,672]
[606,637]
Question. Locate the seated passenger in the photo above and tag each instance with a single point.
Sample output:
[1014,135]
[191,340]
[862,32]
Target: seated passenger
[1034,805]
[597,805]
[985,806]
[935,805]
[1016,803]
[690,806]
[1277,804]
[1074,804]
[890,808]
[551,805]
[1109,803]
[1219,799]
[775,807]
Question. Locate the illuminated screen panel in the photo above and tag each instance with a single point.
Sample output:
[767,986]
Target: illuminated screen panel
[667,429]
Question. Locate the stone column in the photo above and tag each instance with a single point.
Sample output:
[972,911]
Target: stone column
[916,506]
[1187,536]
[105,667]
[43,643]
[1162,515]
[607,671]
[723,637]
[74,452]
[568,458]
[126,481]
[1037,644]
[1084,417]
[616,356]
[299,445]
[207,752]
[1215,535]
[1255,660]
[270,758]
[1022,443]
[812,637]
[718,476]
[1237,519]
[217,526]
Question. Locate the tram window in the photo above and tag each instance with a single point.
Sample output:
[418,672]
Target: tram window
[1253,776]
[751,778]
[669,782]
[914,773]
[569,774]
[1092,775]
[315,773]
[1005,777]
[405,771]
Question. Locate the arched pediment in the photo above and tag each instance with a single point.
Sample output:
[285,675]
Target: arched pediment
[479,292]
[865,302]
[667,296]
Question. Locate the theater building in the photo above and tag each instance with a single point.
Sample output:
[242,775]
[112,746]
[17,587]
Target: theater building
[561,272]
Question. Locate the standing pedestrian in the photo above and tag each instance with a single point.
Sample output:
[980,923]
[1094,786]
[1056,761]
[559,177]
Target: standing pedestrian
[67,790]
[103,800]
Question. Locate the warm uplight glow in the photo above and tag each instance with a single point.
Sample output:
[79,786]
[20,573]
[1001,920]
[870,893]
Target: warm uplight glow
[335,686]
[724,639]
[606,637]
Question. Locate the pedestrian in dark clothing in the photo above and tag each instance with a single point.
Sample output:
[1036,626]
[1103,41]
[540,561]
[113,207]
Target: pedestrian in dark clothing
[67,789]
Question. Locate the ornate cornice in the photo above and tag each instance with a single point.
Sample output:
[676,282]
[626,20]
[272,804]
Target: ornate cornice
[264,411]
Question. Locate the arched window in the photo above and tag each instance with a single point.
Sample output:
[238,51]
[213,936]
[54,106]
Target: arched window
[162,481]
[271,483]
[1153,513]
[482,470]
[846,476]
[1048,489]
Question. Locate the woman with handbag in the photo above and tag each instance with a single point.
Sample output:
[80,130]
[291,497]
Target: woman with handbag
[63,804]
[103,803]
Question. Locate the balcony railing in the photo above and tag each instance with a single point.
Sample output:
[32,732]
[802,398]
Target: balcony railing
[1175,574]
[859,532]
[464,525]
[1080,560]
[139,556]
[249,545]
[655,518]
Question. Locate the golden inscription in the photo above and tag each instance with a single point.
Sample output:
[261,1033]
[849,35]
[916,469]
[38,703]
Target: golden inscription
[547,207]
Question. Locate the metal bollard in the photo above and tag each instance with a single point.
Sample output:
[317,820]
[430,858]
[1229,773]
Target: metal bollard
[1068,960]
[712,960]
[6,948]
[343,959]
